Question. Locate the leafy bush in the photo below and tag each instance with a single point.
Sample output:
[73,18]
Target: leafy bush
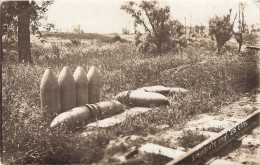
[117,38]
[159,27]
[221,28]
[75,42]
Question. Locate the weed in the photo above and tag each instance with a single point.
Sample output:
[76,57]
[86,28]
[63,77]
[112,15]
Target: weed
[215,129]
[191,138]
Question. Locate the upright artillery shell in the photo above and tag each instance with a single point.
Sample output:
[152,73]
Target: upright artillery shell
[87,112]
[67,89]
[81,82]
[94,83]
[50,93]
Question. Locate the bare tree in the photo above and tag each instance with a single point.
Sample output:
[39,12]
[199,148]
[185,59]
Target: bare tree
[241,25]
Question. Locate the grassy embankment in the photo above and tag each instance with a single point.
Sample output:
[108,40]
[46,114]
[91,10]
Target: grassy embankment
[213,80]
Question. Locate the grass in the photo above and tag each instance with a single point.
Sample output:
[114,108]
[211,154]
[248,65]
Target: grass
[191,138]
[83,36]
[213,80]
[215,129]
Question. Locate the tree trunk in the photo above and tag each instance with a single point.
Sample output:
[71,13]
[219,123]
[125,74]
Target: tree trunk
[1,44]
[24,31]
[240,43]
[239,47]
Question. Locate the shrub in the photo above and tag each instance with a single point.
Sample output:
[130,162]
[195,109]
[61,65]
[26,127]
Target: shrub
[117,38]
[75,42]
[221,28]
[159,26]
[125,31]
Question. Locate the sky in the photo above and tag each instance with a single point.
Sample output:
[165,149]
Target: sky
[105,16]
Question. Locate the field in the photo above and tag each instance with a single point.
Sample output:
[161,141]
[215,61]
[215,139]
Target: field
[213,80]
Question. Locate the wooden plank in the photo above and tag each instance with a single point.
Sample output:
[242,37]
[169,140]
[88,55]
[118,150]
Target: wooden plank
[213,144]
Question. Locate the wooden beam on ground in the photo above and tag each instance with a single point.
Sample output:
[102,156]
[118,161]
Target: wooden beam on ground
[213,144]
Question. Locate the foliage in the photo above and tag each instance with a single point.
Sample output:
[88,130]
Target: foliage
[191,138]
[20,18]
[117,38]
[156,22]
[221,28]
[75,42]
[9,16]
[125,31]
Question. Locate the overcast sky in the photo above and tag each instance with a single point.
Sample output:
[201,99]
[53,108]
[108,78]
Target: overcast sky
[105,16]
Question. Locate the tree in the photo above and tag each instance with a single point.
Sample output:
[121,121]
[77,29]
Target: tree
[19,18]
[241,26]
[253,30]
[221,28]
[155,20]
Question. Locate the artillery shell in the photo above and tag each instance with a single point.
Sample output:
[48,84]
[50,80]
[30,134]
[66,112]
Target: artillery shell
[164,90]
[123,97]
[67,90]
[157,89]
[146,99]
[110,108]
[73,117]
[50,93]
[141,98]
[87,112]
[94,84]
[81,82]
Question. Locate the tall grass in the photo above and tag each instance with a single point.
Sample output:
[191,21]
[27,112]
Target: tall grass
[213,80]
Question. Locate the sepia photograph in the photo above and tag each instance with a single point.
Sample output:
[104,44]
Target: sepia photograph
[121,82]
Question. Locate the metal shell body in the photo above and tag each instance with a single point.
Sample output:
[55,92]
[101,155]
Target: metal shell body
[94,85]
[123,97]
[110,108]
[49,93]
[73,117]
[67,90]
[81,83]
[157,89]
[83,114]
[146,99]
